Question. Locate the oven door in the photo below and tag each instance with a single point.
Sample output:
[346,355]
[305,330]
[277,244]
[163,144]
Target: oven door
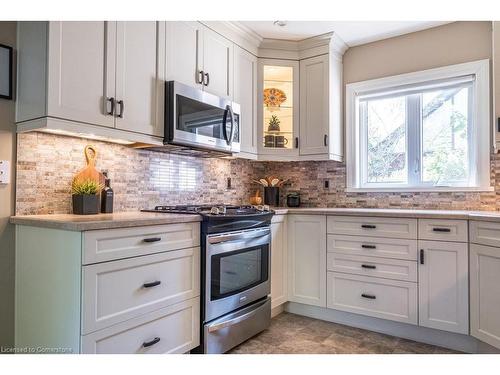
[201,120]
[237,270]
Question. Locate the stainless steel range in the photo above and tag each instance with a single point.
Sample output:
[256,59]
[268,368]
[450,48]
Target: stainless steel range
[236,264]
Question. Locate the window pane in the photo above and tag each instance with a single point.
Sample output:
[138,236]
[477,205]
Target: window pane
[386,131]
[445,136]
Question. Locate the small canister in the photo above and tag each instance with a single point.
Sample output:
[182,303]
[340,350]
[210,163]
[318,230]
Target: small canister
[293,199]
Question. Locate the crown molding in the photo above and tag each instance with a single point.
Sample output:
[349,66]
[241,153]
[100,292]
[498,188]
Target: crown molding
[278,48]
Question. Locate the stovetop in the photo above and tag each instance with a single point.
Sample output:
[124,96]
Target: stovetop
[212,209]
[219,218]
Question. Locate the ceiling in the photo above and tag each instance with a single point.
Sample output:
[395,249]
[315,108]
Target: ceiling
[353,33]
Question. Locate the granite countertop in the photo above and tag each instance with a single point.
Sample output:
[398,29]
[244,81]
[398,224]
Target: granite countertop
[102,221]
[394,212]
[135,219]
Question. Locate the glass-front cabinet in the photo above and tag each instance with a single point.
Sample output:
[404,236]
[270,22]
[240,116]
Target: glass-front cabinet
[278,99]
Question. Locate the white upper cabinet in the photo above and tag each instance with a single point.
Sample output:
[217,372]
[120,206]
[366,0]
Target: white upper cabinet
[444,286]
[314,105]
[217,64]
[245,94]
[307,259]
[199,57]
[138,99]
[184,53]
[81,71]
[66,70]
[98,74]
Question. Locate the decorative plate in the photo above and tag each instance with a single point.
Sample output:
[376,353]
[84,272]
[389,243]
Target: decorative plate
[274,97]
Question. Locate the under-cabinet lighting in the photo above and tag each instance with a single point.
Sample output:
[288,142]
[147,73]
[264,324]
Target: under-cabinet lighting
[87,135]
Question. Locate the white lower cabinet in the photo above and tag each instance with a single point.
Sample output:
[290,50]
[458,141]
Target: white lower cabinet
[373,296]
[484,293]
[278,261]
[307,259]
[174,329]
[443,286]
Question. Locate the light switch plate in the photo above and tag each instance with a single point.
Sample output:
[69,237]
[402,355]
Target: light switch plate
[4,172]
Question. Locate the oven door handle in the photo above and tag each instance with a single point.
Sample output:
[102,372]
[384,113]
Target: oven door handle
[232,322]
[238,236]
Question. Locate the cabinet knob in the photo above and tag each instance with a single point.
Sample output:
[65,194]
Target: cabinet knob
[325,140]
[112,109]
[151,284]
[296,142]
[207,81]
[368,296]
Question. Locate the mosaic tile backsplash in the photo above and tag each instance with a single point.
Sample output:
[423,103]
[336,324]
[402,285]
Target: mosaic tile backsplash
[143,179]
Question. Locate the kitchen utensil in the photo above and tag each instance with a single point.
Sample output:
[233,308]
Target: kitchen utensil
[90,172]
[272,196]
[275,181]
[264,182]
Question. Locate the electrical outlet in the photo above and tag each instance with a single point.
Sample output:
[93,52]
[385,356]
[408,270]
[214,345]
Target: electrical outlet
[327,184]
[4,172]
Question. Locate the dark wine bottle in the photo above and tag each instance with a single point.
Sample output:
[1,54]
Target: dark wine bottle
[107,196]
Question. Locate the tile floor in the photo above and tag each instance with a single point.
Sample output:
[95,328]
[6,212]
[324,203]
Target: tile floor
[295,334]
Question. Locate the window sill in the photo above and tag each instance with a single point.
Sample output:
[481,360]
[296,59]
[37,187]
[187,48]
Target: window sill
[436,189]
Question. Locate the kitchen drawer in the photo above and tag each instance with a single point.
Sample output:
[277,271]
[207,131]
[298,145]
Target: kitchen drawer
[395,269]
[177,327]
[117,291]
[443,230]
[111,244]
[373,226]
[373,246]
[372,296]
[485,233]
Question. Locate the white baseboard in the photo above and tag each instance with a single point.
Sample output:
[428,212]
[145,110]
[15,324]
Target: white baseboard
[277,310]
[450,340]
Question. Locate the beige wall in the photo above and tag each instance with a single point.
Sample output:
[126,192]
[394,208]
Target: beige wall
[444,45]
[7,195]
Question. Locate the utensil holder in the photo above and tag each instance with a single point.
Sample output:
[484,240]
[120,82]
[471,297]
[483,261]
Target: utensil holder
[272,196]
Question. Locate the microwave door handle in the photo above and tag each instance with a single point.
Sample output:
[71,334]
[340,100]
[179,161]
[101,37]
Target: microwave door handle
[228,138]
[224,121]
[231,114]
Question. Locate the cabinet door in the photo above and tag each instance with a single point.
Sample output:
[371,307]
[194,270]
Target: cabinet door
[278,119]
[443,286]
[137,67]
[81,71]
[184,52]
[314,105]
[278,261]
[484,295]
[217,63]
[307,259]
[245,94]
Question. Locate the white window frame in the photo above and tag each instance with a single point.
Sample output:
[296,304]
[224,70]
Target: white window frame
[480,126]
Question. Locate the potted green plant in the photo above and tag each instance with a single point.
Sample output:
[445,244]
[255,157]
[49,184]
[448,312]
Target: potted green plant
[85,196]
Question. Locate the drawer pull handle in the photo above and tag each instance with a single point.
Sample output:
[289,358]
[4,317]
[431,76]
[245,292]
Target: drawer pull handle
[444,230]
[147,344]
[369,266]
[368,226]
[369,296]
[422,256]
[151,284]
[153,239]
[368,246]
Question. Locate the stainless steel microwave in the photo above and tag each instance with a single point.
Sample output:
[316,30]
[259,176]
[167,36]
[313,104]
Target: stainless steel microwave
[200,120]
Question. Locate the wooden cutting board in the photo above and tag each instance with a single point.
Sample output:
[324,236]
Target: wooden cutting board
[90,172]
